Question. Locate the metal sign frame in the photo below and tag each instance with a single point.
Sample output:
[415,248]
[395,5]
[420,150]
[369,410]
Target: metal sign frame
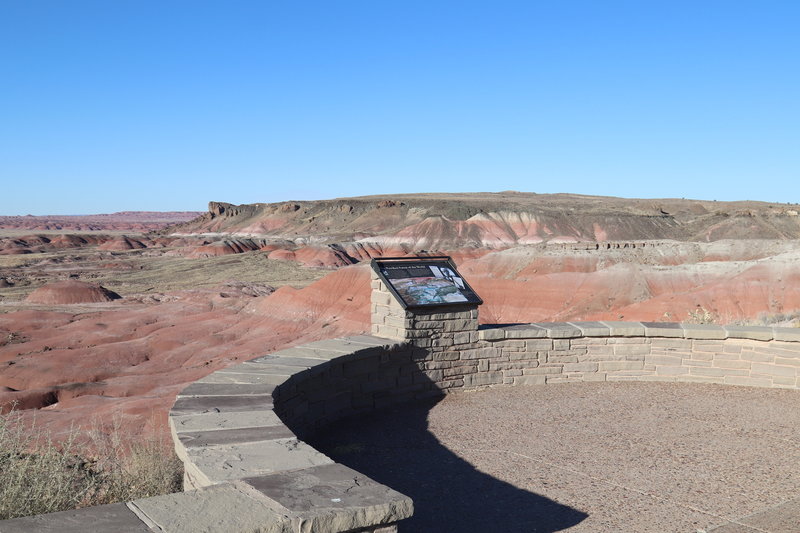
[428,281]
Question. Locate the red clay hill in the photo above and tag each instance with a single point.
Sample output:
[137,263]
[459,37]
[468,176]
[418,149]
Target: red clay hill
[239,281]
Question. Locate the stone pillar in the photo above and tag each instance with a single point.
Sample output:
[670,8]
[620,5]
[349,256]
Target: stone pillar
[441,328]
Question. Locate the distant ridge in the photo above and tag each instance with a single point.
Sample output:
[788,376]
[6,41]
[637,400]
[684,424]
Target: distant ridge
[444,220]
[120,221]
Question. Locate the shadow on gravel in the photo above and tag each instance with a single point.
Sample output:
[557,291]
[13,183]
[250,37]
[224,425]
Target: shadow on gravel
[395,448]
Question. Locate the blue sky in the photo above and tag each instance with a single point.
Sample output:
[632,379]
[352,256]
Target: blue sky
[165,105]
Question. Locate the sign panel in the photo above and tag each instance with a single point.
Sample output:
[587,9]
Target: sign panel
[425,281]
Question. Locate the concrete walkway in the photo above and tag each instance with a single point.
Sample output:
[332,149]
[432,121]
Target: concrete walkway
[588,457]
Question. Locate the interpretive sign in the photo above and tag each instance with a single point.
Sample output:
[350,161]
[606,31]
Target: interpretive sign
[425,281]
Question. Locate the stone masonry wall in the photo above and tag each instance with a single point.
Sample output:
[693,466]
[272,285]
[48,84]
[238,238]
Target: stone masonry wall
[240,430]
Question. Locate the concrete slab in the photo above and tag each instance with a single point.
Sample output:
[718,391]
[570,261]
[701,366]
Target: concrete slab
[332,345]
[215,421]
[219,509]
[227,389]
[279,358]
[787,334]
[704,331]
[662,329]
[624,329]
[234,436]
[224,463]
[592,329]
[220,404]
[750,332]
[560,330]
[232,376]
[115,517]
[525,331]
[334,498]
[250,367]
[371,340]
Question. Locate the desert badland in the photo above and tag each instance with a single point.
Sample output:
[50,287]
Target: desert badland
[113,315]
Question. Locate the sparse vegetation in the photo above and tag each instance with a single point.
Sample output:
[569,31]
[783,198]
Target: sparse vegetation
[42,476]
[787,319]
[701,315]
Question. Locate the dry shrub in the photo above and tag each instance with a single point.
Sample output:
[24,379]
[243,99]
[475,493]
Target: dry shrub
[42,476]
[701,315]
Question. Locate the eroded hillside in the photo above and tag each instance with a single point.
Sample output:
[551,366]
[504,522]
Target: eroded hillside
[240,281]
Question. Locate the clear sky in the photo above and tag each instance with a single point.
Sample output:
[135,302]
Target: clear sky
[164,105]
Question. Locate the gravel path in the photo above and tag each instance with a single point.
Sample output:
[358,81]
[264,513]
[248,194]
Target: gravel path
[589,457]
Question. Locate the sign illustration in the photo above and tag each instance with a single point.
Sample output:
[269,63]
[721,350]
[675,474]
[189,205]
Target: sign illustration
[425,281]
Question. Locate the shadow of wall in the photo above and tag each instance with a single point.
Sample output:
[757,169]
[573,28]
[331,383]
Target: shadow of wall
[380,399]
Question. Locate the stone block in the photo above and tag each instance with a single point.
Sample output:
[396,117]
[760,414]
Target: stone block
[750,332]
[600,349]
[530,380]
[748,381]
[624,329]
[669,360]
[512,345]
[220,404]
[697,362]
[757,357]
[560,330]
[491,334]
[662,329]
[773,370]
[702,379]
[332,498]
[461,337]
[595,376]
[442,342]
[528,331]
[561,379]
[786,381]
[713,347]
[535,371]
[580,367]
[612,366]
[223,376]
[788,361]
[671,370]
[561,344]
[382,298]
[718,372]
[460,371]
[536,345]
[562,358]
[226,389]
[728,363]
[704,331]
[522,356]
[671,344]
[592,329]
[786,334]
[479,380]
[227,507]
[631,349]
[213,421]
[234,436]
[224,463]
[115,517]
[489,352]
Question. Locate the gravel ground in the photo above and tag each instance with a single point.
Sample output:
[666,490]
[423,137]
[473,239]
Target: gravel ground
[589,457]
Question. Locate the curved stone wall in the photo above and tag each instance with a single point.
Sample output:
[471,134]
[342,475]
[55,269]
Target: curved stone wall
[240,431]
